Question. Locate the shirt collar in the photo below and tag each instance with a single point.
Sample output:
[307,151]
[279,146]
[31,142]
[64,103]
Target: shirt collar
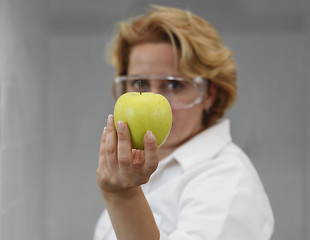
[203,146]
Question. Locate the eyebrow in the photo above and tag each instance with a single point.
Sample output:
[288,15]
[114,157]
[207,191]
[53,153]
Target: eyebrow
[169,77]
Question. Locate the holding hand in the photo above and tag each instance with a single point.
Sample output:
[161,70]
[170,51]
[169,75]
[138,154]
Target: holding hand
[122,168]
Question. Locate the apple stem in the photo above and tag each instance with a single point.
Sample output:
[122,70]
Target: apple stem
[140,87]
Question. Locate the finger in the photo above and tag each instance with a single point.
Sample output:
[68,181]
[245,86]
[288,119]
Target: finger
[102,141]
[150,152]
[102,160]
[124,148]
[137,157]
[110,145]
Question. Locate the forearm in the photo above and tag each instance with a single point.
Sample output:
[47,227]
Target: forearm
[120,173]
[131,215]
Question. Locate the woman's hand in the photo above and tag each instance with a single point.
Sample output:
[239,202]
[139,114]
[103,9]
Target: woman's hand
[122,168]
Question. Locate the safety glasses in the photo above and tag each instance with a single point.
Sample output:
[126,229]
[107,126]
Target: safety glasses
[181,92]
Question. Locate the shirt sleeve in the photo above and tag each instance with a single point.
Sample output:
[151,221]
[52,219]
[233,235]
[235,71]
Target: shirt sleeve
[226,203]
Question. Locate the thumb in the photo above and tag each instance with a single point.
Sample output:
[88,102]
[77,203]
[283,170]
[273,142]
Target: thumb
[150,152]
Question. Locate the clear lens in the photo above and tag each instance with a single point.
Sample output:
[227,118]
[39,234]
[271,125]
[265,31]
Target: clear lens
[180,92]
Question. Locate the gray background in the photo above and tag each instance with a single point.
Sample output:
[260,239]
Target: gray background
[55,97]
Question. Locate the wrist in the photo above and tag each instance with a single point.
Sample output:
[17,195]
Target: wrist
[123,194]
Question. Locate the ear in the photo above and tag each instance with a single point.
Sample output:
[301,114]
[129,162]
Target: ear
[210,96]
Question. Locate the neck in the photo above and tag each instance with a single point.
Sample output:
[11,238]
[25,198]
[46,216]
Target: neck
[164,152]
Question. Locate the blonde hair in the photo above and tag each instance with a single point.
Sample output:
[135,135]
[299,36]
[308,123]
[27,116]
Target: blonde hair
[200,49]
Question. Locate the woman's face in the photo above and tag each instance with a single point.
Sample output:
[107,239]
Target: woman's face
[157,59]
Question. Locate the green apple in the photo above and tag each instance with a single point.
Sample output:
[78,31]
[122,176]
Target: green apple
[143,112]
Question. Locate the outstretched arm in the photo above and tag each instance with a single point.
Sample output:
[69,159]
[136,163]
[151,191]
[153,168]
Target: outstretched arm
[120,173]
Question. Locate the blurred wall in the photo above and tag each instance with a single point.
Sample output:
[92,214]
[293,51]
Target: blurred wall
[58,95]
[23,77]
[307,109]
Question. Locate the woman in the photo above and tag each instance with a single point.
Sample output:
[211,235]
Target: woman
[204,186]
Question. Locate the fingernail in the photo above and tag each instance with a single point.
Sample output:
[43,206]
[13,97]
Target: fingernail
[110,119]
[104,131]
[150,136]
[120,126]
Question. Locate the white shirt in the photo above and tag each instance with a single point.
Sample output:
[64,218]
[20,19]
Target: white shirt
[207,189]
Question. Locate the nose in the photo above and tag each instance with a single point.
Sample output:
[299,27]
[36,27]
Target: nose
[155,86]
[156,90]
